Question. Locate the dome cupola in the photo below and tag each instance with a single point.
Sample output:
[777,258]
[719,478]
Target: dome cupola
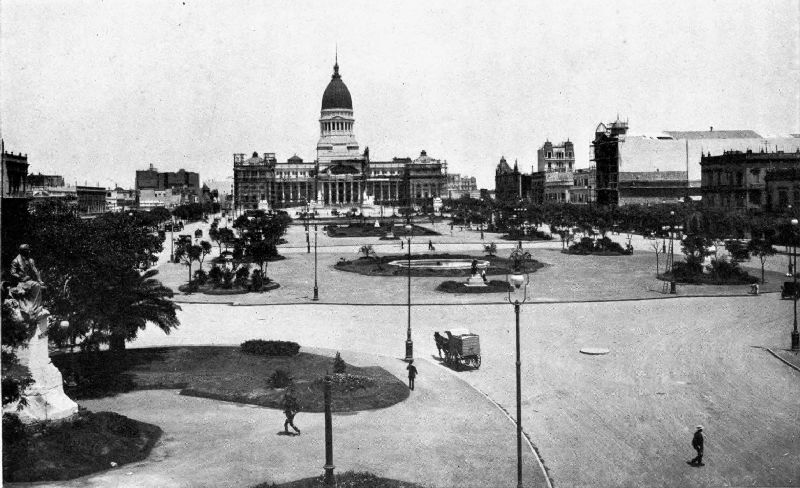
[336,94]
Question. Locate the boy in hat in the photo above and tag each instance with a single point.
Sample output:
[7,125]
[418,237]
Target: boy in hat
[697,444]
[412,373]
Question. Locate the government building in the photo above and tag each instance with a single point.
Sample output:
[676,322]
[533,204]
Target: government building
[342,174]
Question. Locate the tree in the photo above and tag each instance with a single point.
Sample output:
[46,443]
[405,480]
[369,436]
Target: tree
[367,250]
[91,271]
[654,245]
[131,301]
[739,252]
[763,250]
[260,233]
[696,249]
[187,253]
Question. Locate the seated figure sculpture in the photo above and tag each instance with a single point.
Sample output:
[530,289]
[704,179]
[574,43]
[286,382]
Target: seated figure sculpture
[28,290]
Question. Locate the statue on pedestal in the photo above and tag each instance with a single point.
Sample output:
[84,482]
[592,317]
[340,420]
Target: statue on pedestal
[44,398]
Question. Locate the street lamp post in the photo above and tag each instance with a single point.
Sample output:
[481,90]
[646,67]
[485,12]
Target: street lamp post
[316,290]
[172,241]
[795,334]
[409,342]
[519,279]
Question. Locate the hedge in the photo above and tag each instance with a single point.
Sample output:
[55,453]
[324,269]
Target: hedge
[261,347]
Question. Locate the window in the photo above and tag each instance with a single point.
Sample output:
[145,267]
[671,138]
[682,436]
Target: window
[549,155]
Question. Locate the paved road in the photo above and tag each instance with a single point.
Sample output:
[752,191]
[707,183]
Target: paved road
[624,419]
[433,438]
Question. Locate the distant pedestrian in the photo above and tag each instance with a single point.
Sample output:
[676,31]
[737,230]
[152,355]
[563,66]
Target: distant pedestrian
[401,243]
[290,408]
[483,275]
[697,444]
[754,288]
[430,245]
[412,373]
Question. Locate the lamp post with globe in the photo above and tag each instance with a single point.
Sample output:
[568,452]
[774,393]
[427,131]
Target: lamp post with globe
[316,290]
[409,342]
[795,334]
[519,279]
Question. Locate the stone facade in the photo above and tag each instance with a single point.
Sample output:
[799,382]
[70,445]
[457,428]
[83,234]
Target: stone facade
[341,175]
[510,184]
[556,157]
[15,174]
[584,186]
[181,182]
[458,186]
[749,180]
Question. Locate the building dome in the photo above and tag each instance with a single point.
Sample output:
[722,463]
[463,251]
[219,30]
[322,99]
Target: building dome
[336,94]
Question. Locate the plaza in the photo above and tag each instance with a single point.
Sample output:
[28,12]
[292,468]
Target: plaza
[623,419]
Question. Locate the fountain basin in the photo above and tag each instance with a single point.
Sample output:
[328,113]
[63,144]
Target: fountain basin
[439,263]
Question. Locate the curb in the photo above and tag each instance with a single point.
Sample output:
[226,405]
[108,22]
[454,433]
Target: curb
[553,302]
[787,363]
[533,448]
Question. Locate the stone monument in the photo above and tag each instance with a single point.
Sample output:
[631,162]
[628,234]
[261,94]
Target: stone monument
[44,398]
[475,279]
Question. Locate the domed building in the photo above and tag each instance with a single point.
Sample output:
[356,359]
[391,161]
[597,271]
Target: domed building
[337,140]
[342,175]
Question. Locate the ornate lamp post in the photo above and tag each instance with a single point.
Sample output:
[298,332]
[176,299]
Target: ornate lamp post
[795,334]
[409,342]
[519,279]
[316,290]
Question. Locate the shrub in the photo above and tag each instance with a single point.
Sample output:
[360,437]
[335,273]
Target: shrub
[14,436]
[256,280]
[261,347]
[607,245]
[339,366]
[227,278]
[541,235]
[723,270]
[584,246]
[200,277]
[683,272]
[215,275]
[280,379]
[241,276]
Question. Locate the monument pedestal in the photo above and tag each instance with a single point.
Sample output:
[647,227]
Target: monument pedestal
[45,398]
[475,280]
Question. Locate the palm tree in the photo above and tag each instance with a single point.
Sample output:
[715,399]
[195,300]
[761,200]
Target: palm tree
[134,301]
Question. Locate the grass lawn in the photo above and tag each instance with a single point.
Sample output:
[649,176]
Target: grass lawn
[225,373]
[493,286]
[369,230]
[348,479]
[372,266]
[86,444]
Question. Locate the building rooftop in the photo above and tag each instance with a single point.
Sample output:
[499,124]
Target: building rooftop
[714,134]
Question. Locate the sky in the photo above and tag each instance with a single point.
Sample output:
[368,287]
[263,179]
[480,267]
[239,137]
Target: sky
[94,90]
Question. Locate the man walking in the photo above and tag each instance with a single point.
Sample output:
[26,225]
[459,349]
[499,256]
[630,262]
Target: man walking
[290,408]
[697,444]
[412,373]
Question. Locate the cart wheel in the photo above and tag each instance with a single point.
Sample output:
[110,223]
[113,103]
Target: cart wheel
[477,362]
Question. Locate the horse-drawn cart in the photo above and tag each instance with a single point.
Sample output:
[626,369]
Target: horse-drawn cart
[461,348]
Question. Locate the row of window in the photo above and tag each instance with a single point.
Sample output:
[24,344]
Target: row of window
[559,155]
